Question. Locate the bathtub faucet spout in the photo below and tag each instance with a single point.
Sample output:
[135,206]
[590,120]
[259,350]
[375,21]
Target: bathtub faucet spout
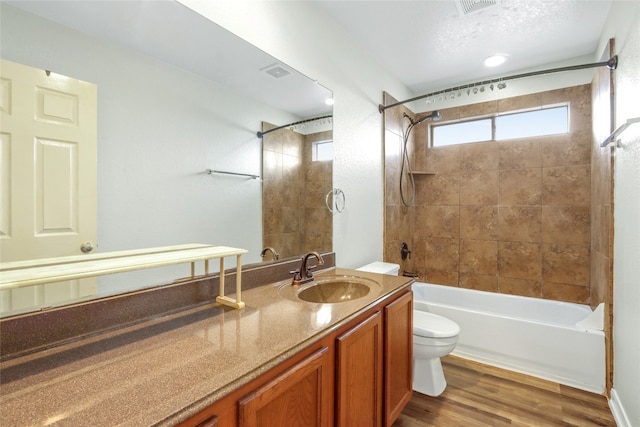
[404,251]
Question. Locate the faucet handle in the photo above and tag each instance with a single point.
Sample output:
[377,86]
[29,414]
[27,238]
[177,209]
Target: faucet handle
[309,268]
[297,277]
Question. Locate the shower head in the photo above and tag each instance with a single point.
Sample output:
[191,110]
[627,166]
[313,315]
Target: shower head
[434,116]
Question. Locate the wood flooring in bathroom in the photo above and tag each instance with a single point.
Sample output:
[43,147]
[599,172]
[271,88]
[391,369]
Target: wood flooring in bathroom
[481,395]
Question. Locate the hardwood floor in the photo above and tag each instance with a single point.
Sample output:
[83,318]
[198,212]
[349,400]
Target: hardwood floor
[481,395]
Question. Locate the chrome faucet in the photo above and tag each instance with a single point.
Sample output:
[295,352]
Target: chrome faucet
[276,256]
[303,274]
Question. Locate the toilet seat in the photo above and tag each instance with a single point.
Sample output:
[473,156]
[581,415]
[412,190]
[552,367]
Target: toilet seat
[431,325]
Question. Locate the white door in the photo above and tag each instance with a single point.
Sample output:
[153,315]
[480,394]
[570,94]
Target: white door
[47,177]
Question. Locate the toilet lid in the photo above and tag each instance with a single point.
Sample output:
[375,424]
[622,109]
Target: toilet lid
[431,325]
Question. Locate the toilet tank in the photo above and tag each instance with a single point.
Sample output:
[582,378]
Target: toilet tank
[381,268]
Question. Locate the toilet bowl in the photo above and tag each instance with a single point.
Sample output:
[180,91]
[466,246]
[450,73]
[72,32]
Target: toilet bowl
[433,337]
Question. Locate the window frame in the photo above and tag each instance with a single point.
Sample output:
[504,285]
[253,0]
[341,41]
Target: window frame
[493,117]
[314,150]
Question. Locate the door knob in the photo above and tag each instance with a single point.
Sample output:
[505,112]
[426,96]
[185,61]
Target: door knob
[86,247]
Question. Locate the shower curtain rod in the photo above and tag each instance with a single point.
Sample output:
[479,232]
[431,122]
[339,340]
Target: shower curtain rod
[261,134]
[612,64]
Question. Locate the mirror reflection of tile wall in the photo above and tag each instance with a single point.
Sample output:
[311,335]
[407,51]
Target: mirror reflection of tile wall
[295,219]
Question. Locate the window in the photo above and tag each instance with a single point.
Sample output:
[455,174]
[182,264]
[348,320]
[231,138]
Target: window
[322,151]
[525,124]
[548,121]
[462,132]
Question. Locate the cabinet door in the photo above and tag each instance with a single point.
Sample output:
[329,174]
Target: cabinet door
[209,422]
[359,374]
[398,356]
[299,396]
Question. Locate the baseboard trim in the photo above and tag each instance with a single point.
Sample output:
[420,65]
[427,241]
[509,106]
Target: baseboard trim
[619,414]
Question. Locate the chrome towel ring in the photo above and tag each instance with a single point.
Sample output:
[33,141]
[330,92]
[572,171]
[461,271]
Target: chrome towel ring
[335,200]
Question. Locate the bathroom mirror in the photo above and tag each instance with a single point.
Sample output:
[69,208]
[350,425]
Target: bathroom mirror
[177,97]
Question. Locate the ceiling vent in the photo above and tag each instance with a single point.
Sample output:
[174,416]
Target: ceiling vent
[467,7]
[277,71]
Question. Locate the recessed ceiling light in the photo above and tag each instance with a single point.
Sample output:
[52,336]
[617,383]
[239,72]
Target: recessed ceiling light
[495,60]
[328,101]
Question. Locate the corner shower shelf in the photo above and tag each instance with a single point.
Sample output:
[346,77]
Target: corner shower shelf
[19,274]
[421,173]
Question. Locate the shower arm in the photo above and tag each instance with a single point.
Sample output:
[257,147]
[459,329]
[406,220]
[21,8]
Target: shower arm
[612,64]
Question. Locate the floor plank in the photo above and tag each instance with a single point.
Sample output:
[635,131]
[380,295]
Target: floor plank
[481,395]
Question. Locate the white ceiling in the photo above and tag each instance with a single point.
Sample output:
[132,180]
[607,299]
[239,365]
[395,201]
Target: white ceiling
[425,44]
[428,45]
[167,30]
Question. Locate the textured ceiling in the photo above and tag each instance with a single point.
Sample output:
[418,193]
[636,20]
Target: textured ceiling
[428,45]
[175,34]
[425,44]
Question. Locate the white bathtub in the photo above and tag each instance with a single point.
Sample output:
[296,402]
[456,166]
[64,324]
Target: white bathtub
[528,335]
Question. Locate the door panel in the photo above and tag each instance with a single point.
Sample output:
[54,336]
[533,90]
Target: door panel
[5,185]
[56,187]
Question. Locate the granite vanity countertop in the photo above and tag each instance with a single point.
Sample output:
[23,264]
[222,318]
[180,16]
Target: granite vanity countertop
[163,370]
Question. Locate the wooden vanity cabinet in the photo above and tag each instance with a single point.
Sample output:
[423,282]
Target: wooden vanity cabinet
[374,364]
[297,392]
[361,374]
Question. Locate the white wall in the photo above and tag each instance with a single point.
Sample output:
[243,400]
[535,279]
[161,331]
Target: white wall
[304,37]
[159,129]
[624,25]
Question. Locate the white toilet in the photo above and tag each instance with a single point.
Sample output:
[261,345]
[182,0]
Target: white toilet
[434,336]
[381,268]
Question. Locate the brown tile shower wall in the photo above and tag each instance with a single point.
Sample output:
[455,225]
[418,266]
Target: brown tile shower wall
[318,181]
[399,220]
[510,216]
[602,191]
[602,204]
[295,219]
